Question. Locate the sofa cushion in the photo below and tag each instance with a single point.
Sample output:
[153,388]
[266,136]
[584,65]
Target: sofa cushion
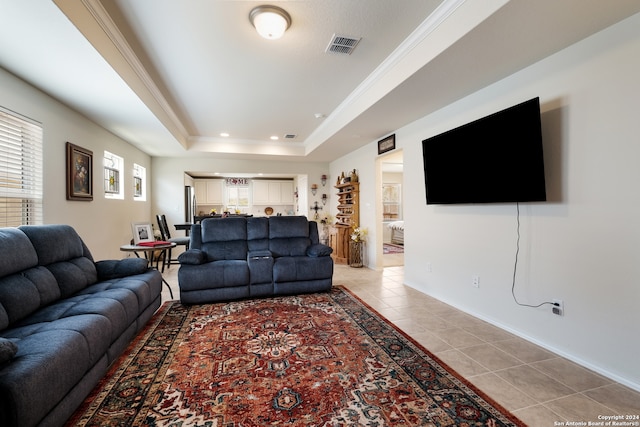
[65,311]
[133,293]
[61,250]
[212,275]
[17,252]
[23,294]
[73,275]
[289,236]
[258,233]
[18,255]
[288,226]
[225,238]
[54,243]
[8,349]
[296,269]
[116,268]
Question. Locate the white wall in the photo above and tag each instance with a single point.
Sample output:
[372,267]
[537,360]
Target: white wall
[103,224]
[582,246]
[362,160]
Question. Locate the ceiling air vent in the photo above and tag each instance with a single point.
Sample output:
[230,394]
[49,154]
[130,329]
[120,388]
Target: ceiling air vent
[343,45]
[290,136]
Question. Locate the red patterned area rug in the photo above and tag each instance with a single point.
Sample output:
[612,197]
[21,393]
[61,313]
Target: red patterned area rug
[313,360]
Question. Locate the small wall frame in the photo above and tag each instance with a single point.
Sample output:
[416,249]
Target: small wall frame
[387,144]
[79,173]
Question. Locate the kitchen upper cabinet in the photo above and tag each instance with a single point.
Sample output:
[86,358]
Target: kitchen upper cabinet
[267,192]
[260,192]
[286,192]
[209,191]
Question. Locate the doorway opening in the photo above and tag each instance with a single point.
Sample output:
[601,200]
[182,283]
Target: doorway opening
[390,210]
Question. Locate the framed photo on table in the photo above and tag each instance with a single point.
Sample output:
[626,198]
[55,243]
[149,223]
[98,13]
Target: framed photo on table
[79,173]
[142,232]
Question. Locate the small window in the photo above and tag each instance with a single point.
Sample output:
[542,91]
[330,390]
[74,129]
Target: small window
[113,167]
[21,172]
[238,195]
[139,183]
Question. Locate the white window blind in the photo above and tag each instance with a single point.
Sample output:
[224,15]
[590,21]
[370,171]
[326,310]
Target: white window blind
[21,174]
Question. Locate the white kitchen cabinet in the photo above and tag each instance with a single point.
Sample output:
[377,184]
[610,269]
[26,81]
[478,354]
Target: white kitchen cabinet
[275,193]
[261,192]
[267,192]
[209,191]
[286,192]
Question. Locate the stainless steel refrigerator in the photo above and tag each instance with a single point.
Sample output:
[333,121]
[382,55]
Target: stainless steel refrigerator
[190,204]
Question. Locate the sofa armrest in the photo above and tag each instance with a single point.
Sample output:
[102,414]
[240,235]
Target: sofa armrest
[318,250]
[116,268]
[192,257]
[8,349]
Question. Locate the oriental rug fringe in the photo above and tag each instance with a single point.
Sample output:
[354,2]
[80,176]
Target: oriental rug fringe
[322,359]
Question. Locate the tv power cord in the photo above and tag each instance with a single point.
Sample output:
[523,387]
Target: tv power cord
[515,269]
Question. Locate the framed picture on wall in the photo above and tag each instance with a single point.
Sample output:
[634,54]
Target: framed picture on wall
[387,144]
[79,173]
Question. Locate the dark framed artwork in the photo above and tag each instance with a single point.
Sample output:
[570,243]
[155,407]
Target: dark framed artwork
[79,173]
[387,144]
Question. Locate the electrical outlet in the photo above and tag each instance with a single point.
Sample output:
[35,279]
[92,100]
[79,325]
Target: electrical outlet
[476,281]
[557,307]
[428,267]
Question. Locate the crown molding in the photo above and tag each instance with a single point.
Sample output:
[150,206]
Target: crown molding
[122,58]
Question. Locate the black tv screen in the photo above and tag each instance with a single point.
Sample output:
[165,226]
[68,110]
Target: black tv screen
[495,159]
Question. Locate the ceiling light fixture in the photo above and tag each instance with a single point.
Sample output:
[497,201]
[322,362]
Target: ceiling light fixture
[270,21]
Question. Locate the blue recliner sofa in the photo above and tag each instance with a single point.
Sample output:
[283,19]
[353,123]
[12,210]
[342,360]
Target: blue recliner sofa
[63,320]
[238,257]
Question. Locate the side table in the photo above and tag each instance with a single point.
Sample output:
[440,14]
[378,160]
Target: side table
[149,252]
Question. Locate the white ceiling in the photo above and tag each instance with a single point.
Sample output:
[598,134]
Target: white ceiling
[169,76]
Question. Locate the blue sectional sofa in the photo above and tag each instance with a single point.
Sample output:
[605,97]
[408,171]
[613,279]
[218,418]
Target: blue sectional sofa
[63,320]
[238,257]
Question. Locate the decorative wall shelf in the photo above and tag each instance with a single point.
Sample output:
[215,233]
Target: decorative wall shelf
[348,216]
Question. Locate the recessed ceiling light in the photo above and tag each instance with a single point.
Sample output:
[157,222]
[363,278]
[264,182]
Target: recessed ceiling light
[320,115]
[224,134]
[274,138]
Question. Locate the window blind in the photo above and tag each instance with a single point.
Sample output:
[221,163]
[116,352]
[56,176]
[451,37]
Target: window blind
[21,171]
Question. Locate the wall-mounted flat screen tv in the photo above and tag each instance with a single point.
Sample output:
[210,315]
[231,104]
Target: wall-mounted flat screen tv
[495,159]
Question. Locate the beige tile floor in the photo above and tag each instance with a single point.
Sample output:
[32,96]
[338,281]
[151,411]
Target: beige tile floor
[539,387]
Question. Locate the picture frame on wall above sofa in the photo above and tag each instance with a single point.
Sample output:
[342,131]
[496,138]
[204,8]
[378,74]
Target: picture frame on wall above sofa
[79,173]
[142,232]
